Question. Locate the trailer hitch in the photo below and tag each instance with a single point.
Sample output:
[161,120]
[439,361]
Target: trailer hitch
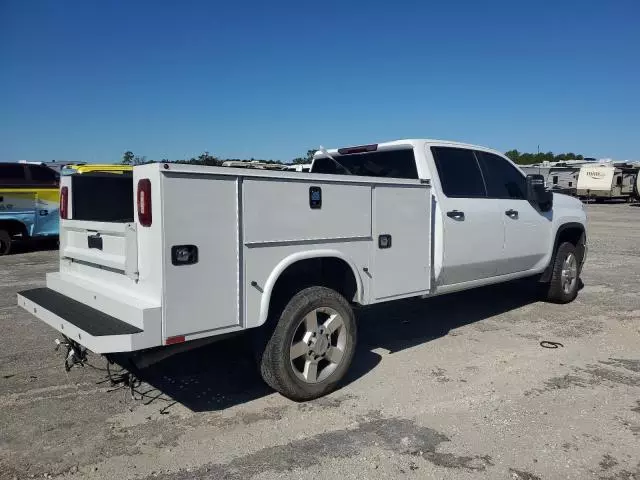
[76,353]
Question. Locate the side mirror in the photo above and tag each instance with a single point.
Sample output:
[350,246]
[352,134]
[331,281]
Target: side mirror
[537,194]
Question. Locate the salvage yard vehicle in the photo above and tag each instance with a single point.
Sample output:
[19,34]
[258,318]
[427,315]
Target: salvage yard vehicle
[177,253]
[28,203]
[82,168]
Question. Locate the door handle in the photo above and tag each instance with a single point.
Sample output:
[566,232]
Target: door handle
[456,215]
[511,213]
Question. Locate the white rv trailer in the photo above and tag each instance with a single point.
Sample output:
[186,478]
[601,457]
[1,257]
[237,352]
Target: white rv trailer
[253,164]
[561,178]
[299,167]
[606,181]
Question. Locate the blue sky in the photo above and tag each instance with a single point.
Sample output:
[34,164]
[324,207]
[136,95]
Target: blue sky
[87,80]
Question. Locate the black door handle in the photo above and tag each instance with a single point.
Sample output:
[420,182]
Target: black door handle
[456,215]
[512,213]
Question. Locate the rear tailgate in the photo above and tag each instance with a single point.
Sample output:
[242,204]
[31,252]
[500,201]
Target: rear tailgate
[107,295]
[112,246]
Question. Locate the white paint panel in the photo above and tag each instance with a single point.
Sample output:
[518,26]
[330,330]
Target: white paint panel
[201,211]
[527,236]
[405,267]
[279,211]
[262,262]
[474,244]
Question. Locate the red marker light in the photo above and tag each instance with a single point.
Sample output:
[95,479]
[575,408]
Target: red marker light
[64,202]
[144,202]
[174,340]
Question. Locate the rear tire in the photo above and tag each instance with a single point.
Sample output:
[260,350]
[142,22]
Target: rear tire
[5,242]
[311,346]
[565,277]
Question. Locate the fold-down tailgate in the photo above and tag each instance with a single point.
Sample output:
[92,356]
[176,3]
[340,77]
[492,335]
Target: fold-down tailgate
[101,244]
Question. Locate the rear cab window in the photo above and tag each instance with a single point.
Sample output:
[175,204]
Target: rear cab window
[13,175]
[396,163]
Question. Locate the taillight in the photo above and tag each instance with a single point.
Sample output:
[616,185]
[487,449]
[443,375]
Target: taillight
[64,202]
[144,202]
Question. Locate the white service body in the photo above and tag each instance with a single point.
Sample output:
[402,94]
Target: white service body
[250,226]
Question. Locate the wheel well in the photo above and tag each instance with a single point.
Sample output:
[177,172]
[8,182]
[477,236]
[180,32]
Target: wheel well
[330,272]
[14,227]
[573,234]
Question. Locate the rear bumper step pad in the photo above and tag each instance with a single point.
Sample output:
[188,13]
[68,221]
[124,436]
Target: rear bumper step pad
[88,319]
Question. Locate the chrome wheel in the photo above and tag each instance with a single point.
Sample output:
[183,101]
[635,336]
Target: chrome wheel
[569,274]
[318,344]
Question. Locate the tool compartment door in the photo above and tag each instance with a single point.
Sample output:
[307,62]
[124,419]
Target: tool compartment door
[401,248]
[200,211]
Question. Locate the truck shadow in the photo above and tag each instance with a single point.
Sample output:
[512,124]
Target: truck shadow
[34,245]
[223,374]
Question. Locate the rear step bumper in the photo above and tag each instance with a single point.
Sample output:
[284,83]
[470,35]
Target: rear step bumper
[91,328]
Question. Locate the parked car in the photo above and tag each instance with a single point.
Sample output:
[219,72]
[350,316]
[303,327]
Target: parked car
[206,251]
[28,203]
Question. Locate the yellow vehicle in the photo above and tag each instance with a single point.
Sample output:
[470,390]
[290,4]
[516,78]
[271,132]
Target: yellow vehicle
[96,167]
[28,203]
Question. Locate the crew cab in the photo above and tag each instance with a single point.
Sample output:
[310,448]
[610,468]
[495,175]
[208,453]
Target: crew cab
[176,253]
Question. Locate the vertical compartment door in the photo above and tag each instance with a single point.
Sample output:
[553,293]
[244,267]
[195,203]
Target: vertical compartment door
[401,264]
[200,226]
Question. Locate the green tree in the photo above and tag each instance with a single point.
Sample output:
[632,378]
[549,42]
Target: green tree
[529,158]
[206,159]
[513,155]
[127,158]
[308,158]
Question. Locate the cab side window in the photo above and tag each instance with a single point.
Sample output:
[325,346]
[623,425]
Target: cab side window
[459,172]
[503,179]
[41,175]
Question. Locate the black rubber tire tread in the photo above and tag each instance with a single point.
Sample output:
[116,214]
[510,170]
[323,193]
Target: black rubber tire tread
[555,293]
[5,242]
[274,362]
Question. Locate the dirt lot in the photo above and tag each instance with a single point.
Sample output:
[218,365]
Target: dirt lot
[451,387]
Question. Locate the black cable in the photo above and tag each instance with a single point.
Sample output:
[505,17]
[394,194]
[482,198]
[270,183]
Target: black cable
[548,344]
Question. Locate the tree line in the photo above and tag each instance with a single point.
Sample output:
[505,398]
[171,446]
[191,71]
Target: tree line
[205,158]
[529,158]
[522,158]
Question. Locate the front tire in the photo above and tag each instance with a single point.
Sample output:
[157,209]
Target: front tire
[5,242]
[565,277]
[312,345]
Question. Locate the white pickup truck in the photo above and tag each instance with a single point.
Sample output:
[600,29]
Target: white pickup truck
[174,253]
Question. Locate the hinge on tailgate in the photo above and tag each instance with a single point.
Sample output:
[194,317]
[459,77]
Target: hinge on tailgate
[131,252]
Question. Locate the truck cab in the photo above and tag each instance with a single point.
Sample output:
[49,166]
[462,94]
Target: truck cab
[28,203]
[488,226]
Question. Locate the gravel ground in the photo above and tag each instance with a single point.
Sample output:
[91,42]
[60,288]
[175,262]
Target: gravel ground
[451,387]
